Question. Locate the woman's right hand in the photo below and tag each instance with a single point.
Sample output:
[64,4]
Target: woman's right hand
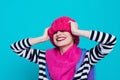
[45,35]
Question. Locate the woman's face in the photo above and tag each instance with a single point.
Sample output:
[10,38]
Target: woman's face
[63,38]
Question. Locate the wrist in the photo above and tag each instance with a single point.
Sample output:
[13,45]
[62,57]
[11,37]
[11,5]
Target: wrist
[76,33]
[84,33]
[44,38]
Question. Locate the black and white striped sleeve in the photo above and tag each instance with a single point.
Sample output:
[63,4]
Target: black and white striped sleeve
[106,43]
[22,48]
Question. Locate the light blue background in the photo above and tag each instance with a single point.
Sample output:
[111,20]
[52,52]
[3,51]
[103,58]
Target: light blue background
[28,18]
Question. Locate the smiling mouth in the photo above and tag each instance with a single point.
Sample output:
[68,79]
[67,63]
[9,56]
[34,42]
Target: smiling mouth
[60,39]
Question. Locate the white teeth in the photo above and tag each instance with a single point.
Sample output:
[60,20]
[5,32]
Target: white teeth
[60,38]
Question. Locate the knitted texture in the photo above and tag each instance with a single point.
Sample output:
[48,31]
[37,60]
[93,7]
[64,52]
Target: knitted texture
[61,24]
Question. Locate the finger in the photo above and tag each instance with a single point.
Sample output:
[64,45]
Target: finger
[70,21]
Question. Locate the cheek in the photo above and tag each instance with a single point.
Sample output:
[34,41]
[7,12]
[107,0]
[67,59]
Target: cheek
[54,38]
[70,38]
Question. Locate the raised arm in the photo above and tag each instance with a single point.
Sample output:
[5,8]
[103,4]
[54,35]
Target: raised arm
[105,41]
[22,48]
[40,39]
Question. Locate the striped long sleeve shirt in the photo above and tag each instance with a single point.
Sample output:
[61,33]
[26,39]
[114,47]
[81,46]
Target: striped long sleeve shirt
[105,45]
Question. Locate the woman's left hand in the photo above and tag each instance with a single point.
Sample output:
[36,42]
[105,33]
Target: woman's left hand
[74,28]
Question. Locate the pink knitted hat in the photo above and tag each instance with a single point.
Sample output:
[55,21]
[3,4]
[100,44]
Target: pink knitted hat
[61,23]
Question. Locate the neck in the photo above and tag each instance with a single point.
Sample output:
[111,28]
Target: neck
[63,49]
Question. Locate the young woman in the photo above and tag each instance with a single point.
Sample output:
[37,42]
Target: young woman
[60,63]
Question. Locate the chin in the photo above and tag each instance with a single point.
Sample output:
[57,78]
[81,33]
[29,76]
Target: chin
[60,44]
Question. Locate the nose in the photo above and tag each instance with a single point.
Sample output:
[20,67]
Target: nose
[58,32]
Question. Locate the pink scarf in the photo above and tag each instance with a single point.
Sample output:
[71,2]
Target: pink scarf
[62,67]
